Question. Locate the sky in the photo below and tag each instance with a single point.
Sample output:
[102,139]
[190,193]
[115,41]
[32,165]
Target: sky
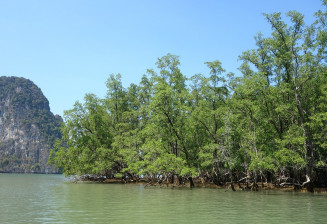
[70,47]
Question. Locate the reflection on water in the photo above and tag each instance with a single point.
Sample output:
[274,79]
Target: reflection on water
[51,199]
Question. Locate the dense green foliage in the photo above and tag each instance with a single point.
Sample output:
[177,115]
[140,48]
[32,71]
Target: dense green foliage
[268,125]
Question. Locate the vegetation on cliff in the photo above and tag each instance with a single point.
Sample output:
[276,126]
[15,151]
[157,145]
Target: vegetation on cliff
[268,125]
[27,127]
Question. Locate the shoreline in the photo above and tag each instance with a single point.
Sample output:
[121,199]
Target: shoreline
[198,184]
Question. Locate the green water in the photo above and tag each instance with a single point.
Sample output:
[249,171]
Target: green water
[51,199]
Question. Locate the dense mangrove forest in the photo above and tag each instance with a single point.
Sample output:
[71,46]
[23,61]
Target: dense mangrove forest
[267,124]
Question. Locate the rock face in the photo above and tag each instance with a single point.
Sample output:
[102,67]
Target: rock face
[28,129]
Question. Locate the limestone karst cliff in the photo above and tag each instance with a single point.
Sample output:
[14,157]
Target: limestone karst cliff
[28,129]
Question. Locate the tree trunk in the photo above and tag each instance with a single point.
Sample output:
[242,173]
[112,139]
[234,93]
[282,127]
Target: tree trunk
[191,182]
[307,142]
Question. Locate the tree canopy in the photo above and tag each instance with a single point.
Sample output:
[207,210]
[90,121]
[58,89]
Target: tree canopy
[267,125]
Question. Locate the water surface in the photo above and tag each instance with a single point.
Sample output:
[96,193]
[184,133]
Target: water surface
[26,198]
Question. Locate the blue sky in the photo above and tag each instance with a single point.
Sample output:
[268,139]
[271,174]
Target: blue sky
[69,48]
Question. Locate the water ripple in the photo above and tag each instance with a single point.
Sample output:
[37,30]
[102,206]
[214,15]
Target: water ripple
[49,199]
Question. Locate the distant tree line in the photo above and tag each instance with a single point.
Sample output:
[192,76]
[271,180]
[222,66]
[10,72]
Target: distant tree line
[269,125]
